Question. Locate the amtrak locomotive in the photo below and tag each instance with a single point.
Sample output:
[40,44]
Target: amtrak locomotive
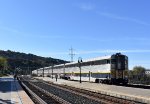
[107,69]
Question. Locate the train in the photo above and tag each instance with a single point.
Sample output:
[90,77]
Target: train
[112,69]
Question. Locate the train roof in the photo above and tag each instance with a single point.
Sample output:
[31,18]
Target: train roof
[98,58]
[88,60]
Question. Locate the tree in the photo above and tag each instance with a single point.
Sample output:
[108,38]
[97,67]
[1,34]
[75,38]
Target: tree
[138,70]
[3,64]
[138,74]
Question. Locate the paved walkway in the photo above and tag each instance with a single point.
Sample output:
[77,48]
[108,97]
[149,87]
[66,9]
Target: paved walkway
[120,91]
[12,93]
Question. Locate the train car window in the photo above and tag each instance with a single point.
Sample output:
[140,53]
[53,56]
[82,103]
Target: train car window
[108,61]
[88,63]
[126,62]
[95,63]
[102,61]
[105,61]
[98,62]
[76,65]
[92,63]
[69,65]
[66,66]
[84,64]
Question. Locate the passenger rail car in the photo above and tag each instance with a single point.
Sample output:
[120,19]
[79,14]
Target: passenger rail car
[107,69]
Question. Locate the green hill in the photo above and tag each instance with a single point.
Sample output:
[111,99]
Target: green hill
[27,61]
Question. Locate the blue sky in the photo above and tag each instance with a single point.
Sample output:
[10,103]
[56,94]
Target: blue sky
[92,27]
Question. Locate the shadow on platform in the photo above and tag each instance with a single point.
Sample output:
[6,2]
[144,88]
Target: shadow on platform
[8,85]
[6,102]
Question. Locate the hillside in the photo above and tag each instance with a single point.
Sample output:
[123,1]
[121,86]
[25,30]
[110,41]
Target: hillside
[25,61]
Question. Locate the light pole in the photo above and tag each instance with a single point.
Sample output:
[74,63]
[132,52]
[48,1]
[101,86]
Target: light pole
[89,76]
[52,71]
[64,71]
[79,62]
[43,71]
[48,72]
[37,72]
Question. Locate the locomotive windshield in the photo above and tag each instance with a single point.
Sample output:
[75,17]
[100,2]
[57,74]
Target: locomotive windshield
[118,62]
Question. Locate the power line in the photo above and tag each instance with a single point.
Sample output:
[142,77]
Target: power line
[71,53]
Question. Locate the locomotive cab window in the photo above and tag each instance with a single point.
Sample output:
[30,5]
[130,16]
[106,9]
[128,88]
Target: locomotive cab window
[126,62]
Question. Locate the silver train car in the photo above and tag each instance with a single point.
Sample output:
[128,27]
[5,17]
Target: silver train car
[111,69]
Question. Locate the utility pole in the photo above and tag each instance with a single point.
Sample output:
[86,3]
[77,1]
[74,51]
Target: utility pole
[71,53]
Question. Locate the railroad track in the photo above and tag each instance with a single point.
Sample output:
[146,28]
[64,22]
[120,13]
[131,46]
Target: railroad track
[71,95]
[104,98]
[36,99]
[40,96]
[69,98]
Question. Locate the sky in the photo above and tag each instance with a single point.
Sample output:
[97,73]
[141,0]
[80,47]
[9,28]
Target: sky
[92,28]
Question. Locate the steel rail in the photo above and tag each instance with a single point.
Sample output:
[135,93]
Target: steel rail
[33,94]
[92,95]
[102,98]
[82,94]
[56,98]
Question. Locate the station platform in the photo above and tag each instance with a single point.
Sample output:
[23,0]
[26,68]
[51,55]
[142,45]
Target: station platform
[12,93]
[136,94]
